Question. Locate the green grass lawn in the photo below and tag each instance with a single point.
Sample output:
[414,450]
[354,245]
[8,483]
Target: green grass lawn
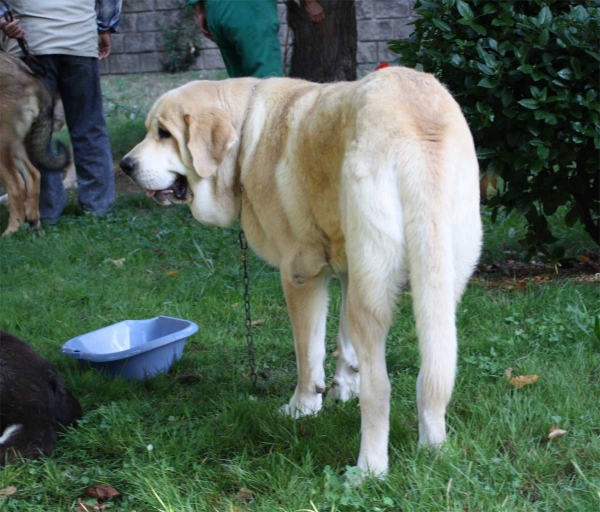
[177,444]
[210,443]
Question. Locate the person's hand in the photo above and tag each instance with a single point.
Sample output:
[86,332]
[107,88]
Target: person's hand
[200,14]
[314,10]
[104,45]
[12,29]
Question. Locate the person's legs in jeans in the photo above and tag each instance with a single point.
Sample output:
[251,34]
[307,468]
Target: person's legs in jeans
[79,86]
[52,192]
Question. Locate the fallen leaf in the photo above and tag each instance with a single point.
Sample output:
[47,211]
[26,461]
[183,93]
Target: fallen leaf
[119,262]
[508,373]
[245,495]
[258,322]
[8,491]
[523,380]
[103,492]
[521,284]
[583,257]
[556,432]
[336,353]
[171,273]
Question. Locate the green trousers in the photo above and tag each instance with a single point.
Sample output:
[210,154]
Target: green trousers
[247,34]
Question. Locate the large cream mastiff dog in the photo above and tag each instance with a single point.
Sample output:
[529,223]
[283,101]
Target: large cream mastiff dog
[375,181]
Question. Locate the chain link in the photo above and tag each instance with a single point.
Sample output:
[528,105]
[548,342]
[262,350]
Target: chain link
[246,284]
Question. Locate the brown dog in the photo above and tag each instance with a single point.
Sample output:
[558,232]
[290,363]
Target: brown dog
[35,404]
[25,131]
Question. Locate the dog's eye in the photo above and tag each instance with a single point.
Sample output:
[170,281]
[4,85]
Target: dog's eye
[163,134]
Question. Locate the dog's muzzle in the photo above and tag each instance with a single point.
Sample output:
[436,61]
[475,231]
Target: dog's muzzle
[178,192]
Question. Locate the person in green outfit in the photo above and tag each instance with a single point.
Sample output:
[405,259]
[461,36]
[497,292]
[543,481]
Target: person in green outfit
[247,33]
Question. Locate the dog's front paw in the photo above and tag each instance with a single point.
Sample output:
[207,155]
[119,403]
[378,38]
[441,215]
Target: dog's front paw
[346,383]
[303,404]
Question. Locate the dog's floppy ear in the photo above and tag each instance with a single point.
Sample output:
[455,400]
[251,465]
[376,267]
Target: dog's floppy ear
[210,137]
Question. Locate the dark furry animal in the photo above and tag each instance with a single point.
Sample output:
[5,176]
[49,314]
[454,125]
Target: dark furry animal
[35,404]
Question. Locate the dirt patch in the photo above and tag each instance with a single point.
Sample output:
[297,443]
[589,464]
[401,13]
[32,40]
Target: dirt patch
[518,275]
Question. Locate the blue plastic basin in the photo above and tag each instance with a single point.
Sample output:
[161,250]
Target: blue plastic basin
[133,349]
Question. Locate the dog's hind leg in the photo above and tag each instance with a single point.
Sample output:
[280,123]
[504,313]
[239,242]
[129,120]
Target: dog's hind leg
[372,218]
[346,381]
[15,190]
[307,307]
[32,180]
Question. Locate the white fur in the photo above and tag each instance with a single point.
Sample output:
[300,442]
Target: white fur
[346,383]
[159,165]
[8,432]
[391,197]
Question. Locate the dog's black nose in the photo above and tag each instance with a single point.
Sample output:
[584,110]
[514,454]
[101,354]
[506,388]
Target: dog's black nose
[128,165]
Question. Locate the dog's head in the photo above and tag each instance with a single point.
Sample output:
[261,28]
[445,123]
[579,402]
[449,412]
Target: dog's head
[189,135]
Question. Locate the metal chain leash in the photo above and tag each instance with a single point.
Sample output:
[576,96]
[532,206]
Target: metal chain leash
[246,284]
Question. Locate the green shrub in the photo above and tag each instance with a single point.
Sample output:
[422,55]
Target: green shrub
[180,40]
[526,75]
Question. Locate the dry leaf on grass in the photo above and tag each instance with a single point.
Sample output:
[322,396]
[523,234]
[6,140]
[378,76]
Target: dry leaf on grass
[257,322]
[119,262]
[103,492]
[8,491]
[523,380]
[556,432]
[508,373]
[171,273]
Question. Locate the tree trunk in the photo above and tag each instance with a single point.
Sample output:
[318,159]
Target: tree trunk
[326,51]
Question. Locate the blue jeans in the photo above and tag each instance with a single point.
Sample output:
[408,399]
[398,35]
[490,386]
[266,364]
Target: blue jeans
[78,81]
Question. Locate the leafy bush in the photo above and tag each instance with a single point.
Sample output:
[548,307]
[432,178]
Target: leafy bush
[181,40]
[526,75]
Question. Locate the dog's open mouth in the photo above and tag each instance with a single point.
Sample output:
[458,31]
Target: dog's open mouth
[178,192]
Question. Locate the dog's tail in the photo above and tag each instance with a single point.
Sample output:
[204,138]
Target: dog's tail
[443,239]
[39,138]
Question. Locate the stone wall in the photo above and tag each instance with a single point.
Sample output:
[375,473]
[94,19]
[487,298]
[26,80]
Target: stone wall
[138,45]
